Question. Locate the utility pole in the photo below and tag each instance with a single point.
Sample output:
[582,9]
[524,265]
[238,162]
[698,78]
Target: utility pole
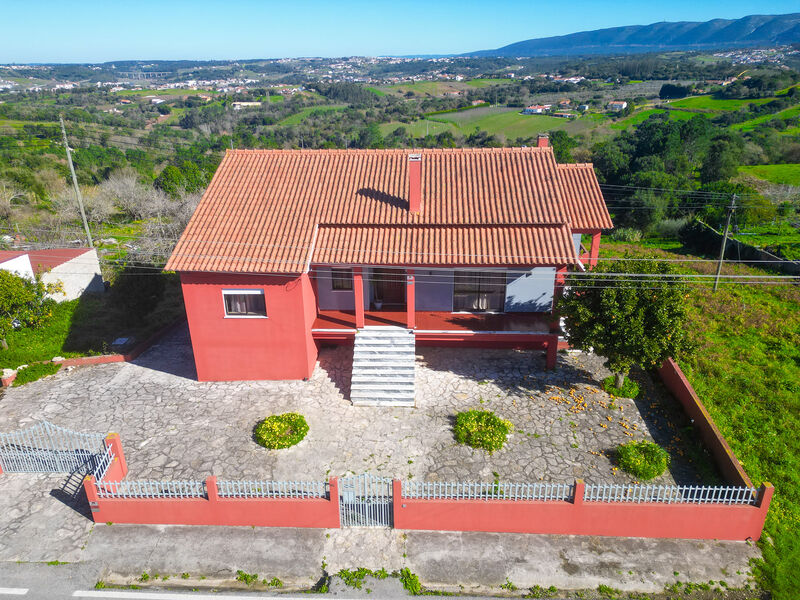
[731,208]
[75,184]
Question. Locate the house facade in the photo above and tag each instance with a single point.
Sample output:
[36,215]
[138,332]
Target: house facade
[290,249]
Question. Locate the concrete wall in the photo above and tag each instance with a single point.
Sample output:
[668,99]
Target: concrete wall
[77,276]
[530,291]
[330,299]
[20,265]
[279,346]
[559,517]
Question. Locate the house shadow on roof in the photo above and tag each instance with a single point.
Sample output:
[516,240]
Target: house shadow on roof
[380,196]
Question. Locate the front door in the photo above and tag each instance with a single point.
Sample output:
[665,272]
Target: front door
[389,289]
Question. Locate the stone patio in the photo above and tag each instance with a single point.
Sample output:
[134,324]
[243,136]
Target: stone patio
[174,427]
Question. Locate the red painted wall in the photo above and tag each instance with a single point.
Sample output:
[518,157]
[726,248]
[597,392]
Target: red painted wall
[676,382]
[230,349]
[619,519]
[254,512]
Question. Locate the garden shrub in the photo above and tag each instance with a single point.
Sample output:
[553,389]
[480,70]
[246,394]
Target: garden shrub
[481,429]
[34,372]
[644,459]
[629,389]
[626,234]
[281,431]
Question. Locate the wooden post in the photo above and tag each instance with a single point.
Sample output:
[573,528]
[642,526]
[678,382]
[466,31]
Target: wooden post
[358,295]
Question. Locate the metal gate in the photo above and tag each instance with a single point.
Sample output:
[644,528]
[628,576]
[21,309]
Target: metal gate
[47,448]
[365,501]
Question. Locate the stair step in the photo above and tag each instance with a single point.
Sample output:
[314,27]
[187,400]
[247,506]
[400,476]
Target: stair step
[406,387]
[383,367]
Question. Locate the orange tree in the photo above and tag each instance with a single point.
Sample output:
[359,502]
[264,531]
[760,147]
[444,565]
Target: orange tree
[23,303]
[632,312]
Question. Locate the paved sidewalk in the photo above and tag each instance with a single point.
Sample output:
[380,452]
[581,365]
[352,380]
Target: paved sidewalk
[174,427]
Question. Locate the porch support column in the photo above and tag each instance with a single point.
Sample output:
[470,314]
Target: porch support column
[358,295]
[558,290]
[411,303]
[595,250]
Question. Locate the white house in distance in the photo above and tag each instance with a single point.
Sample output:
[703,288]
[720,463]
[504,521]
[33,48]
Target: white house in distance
[77,269]
[617,105]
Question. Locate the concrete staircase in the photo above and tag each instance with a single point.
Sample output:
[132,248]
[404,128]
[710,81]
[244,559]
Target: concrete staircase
[383,367]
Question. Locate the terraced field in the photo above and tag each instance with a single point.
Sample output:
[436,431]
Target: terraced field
[510,123]
[711,104]
[787,174]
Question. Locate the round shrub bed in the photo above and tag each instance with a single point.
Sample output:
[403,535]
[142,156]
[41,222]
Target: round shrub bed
[481,429]
[644,459]
[281,431]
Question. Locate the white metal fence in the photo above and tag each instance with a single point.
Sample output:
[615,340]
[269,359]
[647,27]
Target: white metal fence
[103,462]
[48,448]
[272,489]
[151,489]
[670,494]
[487,491]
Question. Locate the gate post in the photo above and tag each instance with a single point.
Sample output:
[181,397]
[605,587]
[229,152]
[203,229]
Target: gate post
[333,491]
[91,495]
[397,498]
[120,470]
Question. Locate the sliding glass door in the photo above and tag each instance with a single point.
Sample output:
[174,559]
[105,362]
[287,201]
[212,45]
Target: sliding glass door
[479,291]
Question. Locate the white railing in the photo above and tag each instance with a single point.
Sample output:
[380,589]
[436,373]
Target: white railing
[487,491]
[103,462]
[272,489]
[151,489]
[670,494]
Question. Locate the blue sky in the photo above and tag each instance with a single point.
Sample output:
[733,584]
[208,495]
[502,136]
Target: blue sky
[89,31]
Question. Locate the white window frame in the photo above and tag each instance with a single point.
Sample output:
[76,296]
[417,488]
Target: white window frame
[245,292]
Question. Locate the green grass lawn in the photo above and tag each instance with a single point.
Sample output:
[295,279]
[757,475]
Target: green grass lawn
[484,82]
[298,117]
[713,104]
[509,122]
[277,98]
[752,123]
[418,128]
[788,174]
[746,369]
[637,118]
[781,238]
[87,327]
[376,91]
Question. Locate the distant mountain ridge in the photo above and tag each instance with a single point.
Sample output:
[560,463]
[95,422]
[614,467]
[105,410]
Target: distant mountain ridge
[753,30]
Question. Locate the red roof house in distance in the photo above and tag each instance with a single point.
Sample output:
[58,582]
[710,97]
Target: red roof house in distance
[76,269]
[384,249]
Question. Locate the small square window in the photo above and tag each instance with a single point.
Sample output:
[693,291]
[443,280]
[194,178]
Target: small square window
[244,303]
[342,279]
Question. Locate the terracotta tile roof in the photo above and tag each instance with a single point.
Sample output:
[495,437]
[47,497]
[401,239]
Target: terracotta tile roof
[262,208]
[456,245]
[44,260]
[583,199]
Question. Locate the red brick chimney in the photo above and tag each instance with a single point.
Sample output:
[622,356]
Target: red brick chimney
[414,182]
[543,141]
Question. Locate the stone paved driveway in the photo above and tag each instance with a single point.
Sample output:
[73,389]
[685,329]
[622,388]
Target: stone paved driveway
[173,427]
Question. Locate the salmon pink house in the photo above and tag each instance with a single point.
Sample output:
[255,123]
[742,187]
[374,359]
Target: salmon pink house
[384,250]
